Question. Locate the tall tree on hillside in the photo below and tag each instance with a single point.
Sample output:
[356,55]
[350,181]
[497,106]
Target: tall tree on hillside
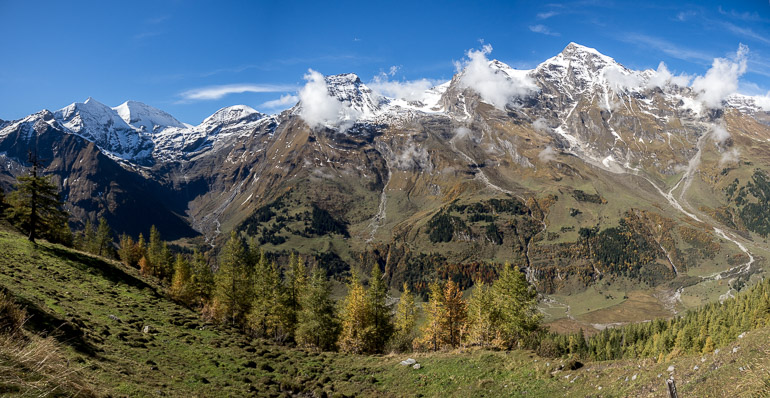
[103,238]
[380,312]
[317,323]
[456,313]
[406,319]
[131,252]
[268,315]
[516,302]
[181,285]
[36,208]
[482,320]
[296,283]
[88,237]
[433,334]
[355,317]
[202,277]
[233,282]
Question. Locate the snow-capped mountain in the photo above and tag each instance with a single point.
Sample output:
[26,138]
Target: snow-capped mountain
[145,118]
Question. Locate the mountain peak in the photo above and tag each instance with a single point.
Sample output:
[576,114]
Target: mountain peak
[230,114]
[144,117]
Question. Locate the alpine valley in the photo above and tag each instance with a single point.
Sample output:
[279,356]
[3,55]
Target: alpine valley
[626,195]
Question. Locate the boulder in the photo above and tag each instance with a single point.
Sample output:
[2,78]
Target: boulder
[416,366]
[408,362]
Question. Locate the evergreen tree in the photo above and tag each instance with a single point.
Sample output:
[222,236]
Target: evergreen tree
[456,313]
[406,319]
[131,252]
[516,302]
[155,252]
[379,313]
[433,334]
[482,320]
[103,238]
[268,314]
[202,277]
[181,285]
[35,208]
[87,242]
[317,324]
[233,282]
[296,284]
[356,318]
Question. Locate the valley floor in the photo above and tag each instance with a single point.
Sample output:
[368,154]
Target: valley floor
[120,335]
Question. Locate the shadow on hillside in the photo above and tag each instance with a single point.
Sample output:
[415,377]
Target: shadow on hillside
[98,266]
[44,323]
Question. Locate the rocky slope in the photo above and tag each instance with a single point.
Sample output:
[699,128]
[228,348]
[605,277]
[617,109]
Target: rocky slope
[581,170]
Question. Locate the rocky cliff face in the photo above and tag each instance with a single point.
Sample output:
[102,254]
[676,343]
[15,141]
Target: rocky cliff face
[531,169]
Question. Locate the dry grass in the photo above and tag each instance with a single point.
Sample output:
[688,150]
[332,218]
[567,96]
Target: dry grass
[30,365]
[757,382]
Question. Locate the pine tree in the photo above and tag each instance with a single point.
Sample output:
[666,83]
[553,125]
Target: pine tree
[317,324]
[181,286]
[516,302]
[381,322]
[456,313]
[202,277]
[103,238]
[126,249]
[36,208]
[296,283]
[482,322]
[233,282]
[267,316]
[433,334]
[88,240]
[155,252]
[356,318]
[406,319]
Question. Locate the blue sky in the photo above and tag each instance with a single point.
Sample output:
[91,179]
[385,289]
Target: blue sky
[185,57]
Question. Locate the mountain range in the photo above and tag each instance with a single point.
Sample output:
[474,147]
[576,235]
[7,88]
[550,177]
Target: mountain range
[618,190]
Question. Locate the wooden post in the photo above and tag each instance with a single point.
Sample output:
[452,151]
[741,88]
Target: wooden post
[671,388]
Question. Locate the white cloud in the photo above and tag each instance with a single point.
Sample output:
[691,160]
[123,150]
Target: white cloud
[731,156]
[409,90]
[543,29]
[413,158]
[621,80]
[546,15]
[217,92]
[719,134]
[461,132]
[541,125]
[721,79]
[763,101]
[495,86]
[662,77]
[547,155]
[319,108]
[284,102]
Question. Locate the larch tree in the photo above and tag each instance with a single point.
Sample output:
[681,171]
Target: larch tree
[482,322]
[406,319]
[181,286]
[317,324]
[103,241]
[296,283]
[516,301]
[433,333]
[267,316]
[36,208]
[456,313]
[356,318]
[202,278]
[233,291]
[381,323]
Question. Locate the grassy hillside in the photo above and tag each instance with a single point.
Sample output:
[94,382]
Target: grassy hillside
[96,312]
